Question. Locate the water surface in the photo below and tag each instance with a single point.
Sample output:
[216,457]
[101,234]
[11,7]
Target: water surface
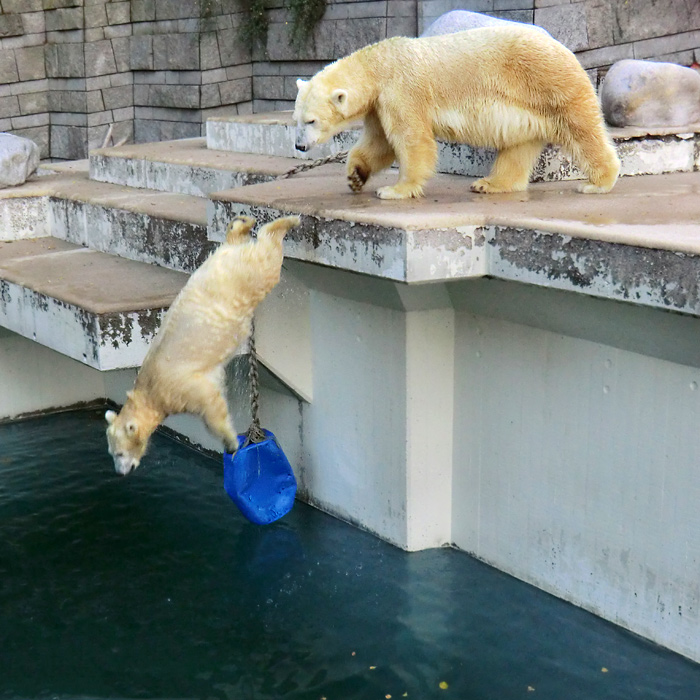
[154,586]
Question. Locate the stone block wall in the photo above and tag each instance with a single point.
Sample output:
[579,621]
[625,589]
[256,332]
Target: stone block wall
[345,27]
[24,86]
[602,32]
[187,63]
[155,69]
[88,68]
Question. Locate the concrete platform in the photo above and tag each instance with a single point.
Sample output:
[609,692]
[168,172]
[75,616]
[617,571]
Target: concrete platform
[168,229]
[642,152]
[186,166]
[639,243]
[96,308]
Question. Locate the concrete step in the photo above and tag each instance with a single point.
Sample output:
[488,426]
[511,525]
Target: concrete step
[99,309]
[640,243]
[186,166]
[642,151]
[155,227]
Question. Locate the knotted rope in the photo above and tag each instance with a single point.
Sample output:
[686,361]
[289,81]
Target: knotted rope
[254,433]
[308,165]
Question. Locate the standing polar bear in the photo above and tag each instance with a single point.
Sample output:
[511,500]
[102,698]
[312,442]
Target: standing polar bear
[510,88]
[183,371]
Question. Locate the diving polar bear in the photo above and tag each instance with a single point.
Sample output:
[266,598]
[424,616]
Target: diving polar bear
[509,88]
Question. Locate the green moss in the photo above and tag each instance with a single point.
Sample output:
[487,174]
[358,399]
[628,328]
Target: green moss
[306,14]
[254,29]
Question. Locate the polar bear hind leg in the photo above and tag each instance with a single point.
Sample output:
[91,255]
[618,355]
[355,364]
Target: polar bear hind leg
[511,170]
[239,229]
[593,151]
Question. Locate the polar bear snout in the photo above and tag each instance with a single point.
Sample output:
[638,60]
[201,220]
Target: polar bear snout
[303,140]
[124,464]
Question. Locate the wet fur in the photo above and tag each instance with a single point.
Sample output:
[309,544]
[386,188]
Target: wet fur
[509,88]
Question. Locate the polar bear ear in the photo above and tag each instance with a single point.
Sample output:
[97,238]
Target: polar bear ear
[302,85]
[110,416]
[339,97]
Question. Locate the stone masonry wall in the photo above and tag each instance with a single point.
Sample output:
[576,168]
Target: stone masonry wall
[24,85]
[155,69]
[187,63]
[345,27]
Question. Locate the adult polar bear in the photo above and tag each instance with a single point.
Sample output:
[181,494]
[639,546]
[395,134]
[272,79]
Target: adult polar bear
[511,88]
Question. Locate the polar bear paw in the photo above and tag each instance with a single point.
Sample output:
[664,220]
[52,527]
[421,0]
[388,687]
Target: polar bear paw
[590,188]
[486,186]
[357,180]
[399,191]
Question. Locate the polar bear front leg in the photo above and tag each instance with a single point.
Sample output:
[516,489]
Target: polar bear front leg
[417,155]
[371,154]
[218,421]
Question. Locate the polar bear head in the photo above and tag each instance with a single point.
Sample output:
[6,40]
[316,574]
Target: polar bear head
[126,441]
[319,112]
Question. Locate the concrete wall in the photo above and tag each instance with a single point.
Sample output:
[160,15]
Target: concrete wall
[482,414]
[34,378]
[575,471]
[155,69]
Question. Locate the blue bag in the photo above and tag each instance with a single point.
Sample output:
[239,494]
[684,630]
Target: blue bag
[259,479]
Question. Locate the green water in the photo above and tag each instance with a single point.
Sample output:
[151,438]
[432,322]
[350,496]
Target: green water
[153,586]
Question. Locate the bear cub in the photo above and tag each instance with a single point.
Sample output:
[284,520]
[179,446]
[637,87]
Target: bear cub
[183,371]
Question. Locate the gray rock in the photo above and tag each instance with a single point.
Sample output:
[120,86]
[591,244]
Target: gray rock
[19,158]
[460,20]
[647,93]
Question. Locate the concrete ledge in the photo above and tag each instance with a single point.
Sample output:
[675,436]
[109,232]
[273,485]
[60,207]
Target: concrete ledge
[186,166]
[23,217]
[639,243]
[96,308]
[155,227]
[642,151]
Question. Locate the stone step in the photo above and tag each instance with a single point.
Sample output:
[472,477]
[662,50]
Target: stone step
[639,243]
[642,151]
[99,309]
[144,225]
[186,166]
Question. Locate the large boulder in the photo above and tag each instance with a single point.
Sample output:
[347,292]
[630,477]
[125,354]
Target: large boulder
[460,20]
[19,158]
[648,93]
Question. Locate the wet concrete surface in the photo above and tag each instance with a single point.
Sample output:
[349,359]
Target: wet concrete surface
[154,586]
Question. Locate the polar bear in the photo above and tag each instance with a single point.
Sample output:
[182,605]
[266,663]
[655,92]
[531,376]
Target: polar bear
[183,371]
[511,88]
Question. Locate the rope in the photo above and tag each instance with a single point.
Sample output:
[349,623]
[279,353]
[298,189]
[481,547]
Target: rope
[255,433]
[308,165]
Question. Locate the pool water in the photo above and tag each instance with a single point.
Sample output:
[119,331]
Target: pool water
[154,586]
